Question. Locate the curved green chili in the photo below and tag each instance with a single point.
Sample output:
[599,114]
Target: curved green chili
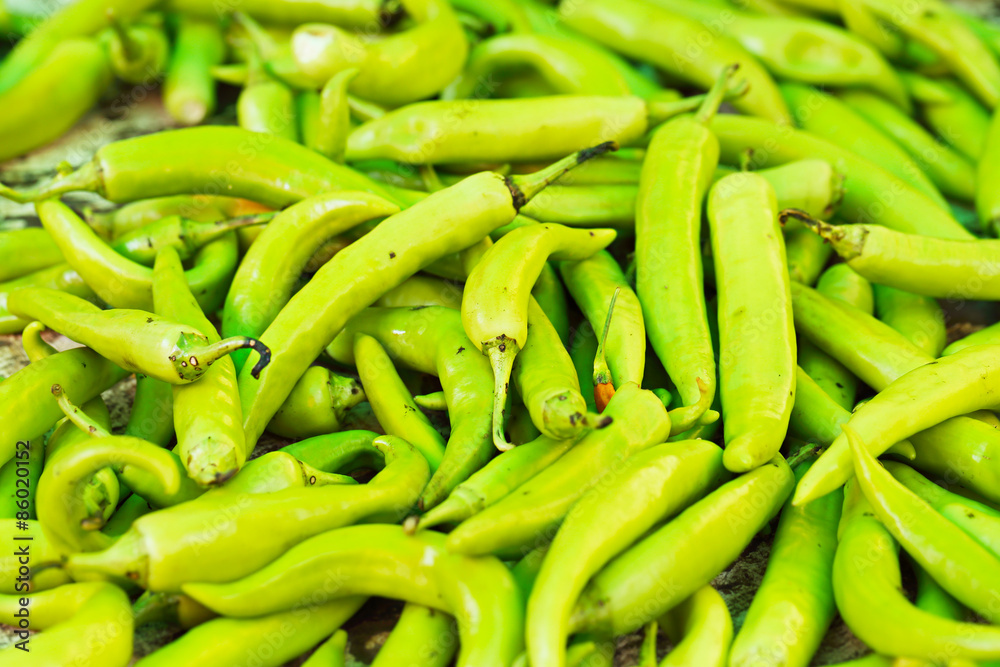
[317,404]
[422,636]
[335,115]
[701,629]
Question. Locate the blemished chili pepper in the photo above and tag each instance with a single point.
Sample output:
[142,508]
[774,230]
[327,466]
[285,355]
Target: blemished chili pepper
[919,318]
[166,549]
[659,571]
[650,486]
[136,340]
[952,173]
[450,131]
[953,386]
[392,402]
[676,175]
[335,115]
[570,67]
[401,68]
[757,369]
[39,574]
[962,566]
[814,183]
[868,590]
[793,607]
[866,185]
[530,514]
[185,236]
[25,251]
[29,407]
[805,255]
[300,629]
[495,301]
[957,269]
[952,112]
[701,630]
[828,117]
[421,636]
[464,373]
[51,98]
[266,277]
[138,52]
[152,415]
[479,592]
[70,618]
[978,520]
[317,404]
[657,35]
[188,88]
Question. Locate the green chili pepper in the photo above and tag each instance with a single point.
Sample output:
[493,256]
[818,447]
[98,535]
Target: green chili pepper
[348,13]
[813,184]
[138,52]
[266,104]
[953,113]
[265,279]
[152,416]
[317,404]
[793,607]
[401,68]
[654,484]
[331,653]
[52,97]
[757,371]
[136,340]
[185,236]
[868,589]
[586,205]
[335,115]
[41,572]
[171,608]
[835,121]
[188,89]
[806,255]
[308,115]
[867,187]
[19,480]
[422,636]
[919,318]
[701,629]
[985,336]
[618,169]
[36,347]
[929,266]
[479,592]
[530,514]
[254,638]
[344,451]
[71,617]
[201,208]
[421,290]
[25,251]
[841,282]
[548,292]
[495,302]
[661,570]
[951,172]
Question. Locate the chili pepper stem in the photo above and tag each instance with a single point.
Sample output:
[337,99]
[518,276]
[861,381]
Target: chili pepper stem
[710,106]
[189,362]
[126,559]
[501,353]
[524,187]
[76,415]
[87,177]
[834,234]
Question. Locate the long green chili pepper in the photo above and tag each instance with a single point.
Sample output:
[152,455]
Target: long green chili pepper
[654,484]
[757,370]
[344,451]
[987,201]
[138,52]
[586,205]
[202,208]
[986,336]
[871,194]
[36,347]
[39,573]
[551,297]
[331,653]
[317,404]
[254,638]
[266,104]
[421,290]
[308,116]
[60,277]
[479,592]
[661,570]
[265,279]
[464,374]
[841,282]
[868,589]
[335,115]
[497,293]
[71,619]
[814,183]
[530,514]
[806,255]
[422,636]
[701,630]
[25,251]
[188,89]
[347,13]
[185,236]
[152,415]
[793,607]
[952,112]
[136,340]
[919,318]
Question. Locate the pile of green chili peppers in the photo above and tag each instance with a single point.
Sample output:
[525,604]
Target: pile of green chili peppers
[534,317]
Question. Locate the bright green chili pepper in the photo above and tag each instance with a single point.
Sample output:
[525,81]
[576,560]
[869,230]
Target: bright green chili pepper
[335,115]
[809,184]
[188,89]
[871,194]
[71,619]
[25,251]
[347,13]
[29,407]
[835,121]
[957,269]
[344,451]
[658,572]
[51,98]
[548,292]
[586,205]
[806,255]
[676,174]
[265,279]
[701,630]
[384,560]
[318,404]
[450,131]
[987,178]
[570,67]
[185,236]
[422,636]
[952,112]
[136,340]
[650,486]
[152,415]
[615,169]
[919,318]
[497,293]
[36,347]
[793,607]
[531,514]
[41,572]
[331,653]
[201,208]
[401,68]
[308,116]
[953,174]
[757,369]
[986,336]
[964,567]
[266,104]
[138,52]
[841,282]
[421,290]
[230,641]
